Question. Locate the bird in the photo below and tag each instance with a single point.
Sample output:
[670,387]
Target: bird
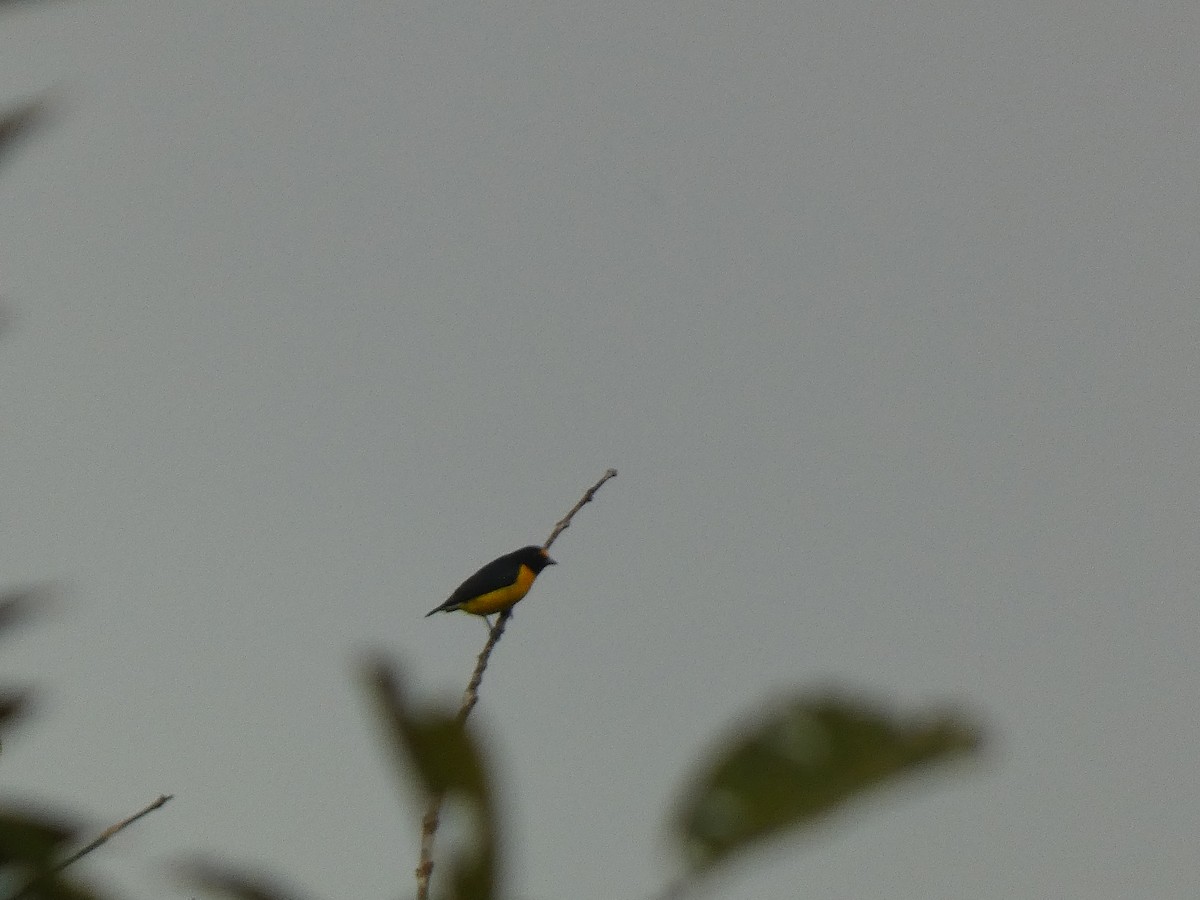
[498,585]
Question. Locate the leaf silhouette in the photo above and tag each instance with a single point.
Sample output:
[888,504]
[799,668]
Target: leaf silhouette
[803,761]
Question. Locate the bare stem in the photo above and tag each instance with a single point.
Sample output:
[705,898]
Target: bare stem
[429,822]
[565,522]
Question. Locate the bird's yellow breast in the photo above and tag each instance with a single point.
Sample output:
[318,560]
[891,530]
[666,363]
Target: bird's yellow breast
[502,598]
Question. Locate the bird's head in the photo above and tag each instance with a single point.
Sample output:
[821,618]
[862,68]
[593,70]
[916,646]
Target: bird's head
[537,558]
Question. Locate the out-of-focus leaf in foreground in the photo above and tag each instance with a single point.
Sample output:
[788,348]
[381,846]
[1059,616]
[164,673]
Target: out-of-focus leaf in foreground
[18,122]
[802,761]
[434,751]
[17,605]
[32,839]
[219,878]
[32,846]
[429,745]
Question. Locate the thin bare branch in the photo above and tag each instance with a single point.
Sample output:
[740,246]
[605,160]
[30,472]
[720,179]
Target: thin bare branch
[101,839]
[565,522]
[433,810]
[112,830]
[429,822]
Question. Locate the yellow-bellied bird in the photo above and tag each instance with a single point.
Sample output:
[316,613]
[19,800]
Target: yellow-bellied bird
[498,585]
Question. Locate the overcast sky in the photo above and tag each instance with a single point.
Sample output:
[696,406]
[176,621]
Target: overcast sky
[887,313]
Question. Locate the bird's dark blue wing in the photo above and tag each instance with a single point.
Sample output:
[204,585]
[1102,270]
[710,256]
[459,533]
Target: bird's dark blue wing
[498,573]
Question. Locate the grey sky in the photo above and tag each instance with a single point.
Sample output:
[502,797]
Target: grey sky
[886,313]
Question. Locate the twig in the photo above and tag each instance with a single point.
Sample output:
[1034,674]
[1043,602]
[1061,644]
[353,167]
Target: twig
[112,830]
[429,826]
[565,522]
[429,822]
[103,838]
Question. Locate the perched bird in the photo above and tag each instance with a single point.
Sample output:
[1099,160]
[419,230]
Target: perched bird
[498,585]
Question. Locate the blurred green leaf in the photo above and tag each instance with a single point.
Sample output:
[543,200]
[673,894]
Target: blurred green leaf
[6,3]
[16,604]
[31,839]
[55,887]
[219,878]
[32,846]
[432,748]
[17,122]
[801,762]
[13,704]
